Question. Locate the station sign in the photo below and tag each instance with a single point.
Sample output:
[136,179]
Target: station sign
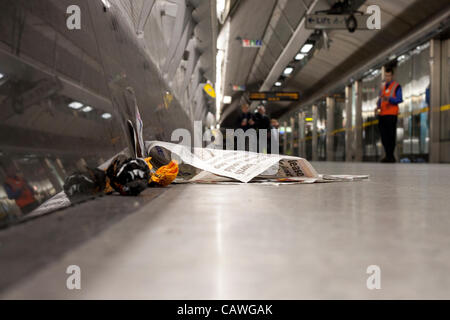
[274,96]
[247,43]
[209,90]
[335,21]
[239,88]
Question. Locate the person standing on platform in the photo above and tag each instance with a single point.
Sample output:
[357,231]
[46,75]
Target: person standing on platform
[246,120]
[387,110]
[262,123]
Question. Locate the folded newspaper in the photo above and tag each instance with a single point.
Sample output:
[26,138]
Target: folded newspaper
[227,166]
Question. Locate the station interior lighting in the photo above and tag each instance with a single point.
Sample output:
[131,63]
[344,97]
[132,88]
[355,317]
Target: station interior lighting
[299,56]
[227,99]
[75,105]
[288,70]
[306,48]
[106,4]
[106,116]
[87,109]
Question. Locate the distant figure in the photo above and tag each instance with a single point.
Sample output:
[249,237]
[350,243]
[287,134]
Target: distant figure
[262,122]
[246,120]
[274,138]
[261,119]
[387,110]
[274,124]
[18,189]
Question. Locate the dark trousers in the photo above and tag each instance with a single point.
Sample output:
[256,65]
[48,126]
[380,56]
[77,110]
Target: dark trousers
[388,132]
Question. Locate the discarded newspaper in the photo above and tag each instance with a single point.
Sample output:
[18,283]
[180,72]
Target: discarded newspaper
[205,165]
[222,166]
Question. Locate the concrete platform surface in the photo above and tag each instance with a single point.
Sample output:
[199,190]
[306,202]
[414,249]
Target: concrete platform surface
[245,241]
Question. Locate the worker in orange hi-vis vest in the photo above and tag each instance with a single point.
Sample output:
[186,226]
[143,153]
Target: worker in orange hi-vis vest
[387,110]
[18,189]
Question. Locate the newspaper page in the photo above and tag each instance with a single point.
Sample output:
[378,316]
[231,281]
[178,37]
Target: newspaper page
[239,165]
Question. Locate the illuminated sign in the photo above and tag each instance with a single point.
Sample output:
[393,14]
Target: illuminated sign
[238,88]
[209,90]
[274,96]
[246,43]
[334,21]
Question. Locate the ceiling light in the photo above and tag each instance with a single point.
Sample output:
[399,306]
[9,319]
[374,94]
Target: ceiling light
[306,48]
[278,84]
[401,58]
[2,76]
[106,115]
[75,105]
[220,8]
[288,70]
[227,99]
[299,56]
[106,4]
[87,109]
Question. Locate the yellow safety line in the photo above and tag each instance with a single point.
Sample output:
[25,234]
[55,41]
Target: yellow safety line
[374,122]
[445,108]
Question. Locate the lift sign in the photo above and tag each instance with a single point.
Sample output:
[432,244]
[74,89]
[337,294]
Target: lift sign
[274,96]
[334,21]
[369,21]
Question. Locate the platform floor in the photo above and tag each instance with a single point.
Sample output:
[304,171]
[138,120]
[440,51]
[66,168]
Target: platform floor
[245,241]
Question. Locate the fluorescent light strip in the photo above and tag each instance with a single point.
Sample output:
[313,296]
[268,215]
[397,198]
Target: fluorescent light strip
[226,99]
[299,56]
[221,65]
[106,4]
[106,116]
[75,105]
[288,70]
[306,48]
[220,8]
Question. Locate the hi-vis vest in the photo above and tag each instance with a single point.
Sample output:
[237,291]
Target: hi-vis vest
[386,107]
[26,197]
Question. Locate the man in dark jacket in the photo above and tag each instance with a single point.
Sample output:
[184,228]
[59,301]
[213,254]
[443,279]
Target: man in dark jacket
[262,122]
[246,120]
